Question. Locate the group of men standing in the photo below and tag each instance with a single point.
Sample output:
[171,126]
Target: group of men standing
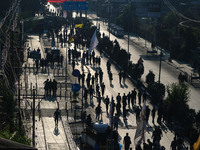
[50,88]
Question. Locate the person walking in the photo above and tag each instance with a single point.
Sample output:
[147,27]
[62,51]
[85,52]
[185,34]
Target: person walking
[56,116]
[118,98]
[85,95]
[107,102]
[124,98]
[103,88]
[93,81]
[101,76]
[129,99]
[91,92]
[147,114]
[54,83]
[133,97]
[96,75]
[110,77]
[124,76]
[120,76]
[116,122]
[98,111]
[127,142]
[83,78]
[73,65]
[46,88]
[139,97]
[153,113]
[108,64]
[118,108]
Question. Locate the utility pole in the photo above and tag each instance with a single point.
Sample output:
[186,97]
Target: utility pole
[33,136]
[66,72]
[19,94]
[128,30]
[109,18]
[97,12]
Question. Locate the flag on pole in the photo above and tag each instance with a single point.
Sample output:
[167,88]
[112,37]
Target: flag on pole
[141,127]
[78,25]
[196,145]
[94,42]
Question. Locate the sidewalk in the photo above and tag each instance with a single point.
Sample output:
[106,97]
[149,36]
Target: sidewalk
[48,137]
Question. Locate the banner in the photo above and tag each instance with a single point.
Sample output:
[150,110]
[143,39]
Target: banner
[141,127]
[94,42]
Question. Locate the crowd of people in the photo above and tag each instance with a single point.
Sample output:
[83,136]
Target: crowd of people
[119,106]
[116,107]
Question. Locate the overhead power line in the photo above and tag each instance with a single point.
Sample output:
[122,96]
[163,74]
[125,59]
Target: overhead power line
[173,9]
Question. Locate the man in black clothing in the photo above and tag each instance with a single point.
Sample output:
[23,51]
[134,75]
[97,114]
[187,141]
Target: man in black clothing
[98,111]
[89,121]
[107,102]
[91,91]
[124,98]
[124,76]
[73,65]
[101,76]
[153,113]
[116,121]
[120,76]
[102,88]
[127,142]
[133,97]
[86,95]
[54,83]
[118,108]
[139,97]
[56,115]
[147,113]
[118,98]
[108,65]
[129,99]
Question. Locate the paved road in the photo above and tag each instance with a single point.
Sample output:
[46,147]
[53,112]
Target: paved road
[169,73]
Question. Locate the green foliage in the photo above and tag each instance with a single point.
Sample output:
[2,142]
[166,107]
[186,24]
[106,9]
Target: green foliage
[21,138]
[134,71]
[171,20]
[177,98]
[30,7]
[8,102]
[5,133]
[164,36]
[156,91]
[150,78]
[128,18]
